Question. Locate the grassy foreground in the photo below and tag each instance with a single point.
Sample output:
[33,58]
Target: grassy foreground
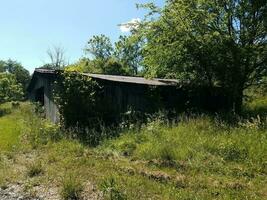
[199,158]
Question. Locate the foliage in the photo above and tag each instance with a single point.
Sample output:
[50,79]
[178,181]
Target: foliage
[215,43]
[114,67]
[10,89]
[205,159]
[81,105]
[36,130]
[21,75]
[178,144]
[111,190]
[76,97]
[84,65]
[10,125]
[35,169]
[256,103]
[100,47]
[128,51]
[123,59]
[71,188]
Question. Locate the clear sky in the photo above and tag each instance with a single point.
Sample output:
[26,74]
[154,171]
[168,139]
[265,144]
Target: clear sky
[29,27]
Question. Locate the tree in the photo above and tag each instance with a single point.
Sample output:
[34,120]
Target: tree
[10,90]
[209,42]
[128,51]
[114,67]
[21,75]
[100,47]
[103,58]
[2,66]
[57,58]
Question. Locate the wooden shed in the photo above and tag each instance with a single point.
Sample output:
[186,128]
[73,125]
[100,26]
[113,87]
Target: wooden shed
[122,92]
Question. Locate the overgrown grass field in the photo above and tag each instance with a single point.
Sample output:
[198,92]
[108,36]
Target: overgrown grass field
[10,127]
[200,157]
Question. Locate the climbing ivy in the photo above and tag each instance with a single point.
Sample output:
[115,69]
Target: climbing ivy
[77,98]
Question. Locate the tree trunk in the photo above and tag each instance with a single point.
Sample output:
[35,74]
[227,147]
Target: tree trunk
[237,99]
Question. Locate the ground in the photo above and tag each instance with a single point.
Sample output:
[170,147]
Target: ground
[201,157]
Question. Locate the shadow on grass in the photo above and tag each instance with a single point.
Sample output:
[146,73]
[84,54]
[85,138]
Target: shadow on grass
[4,111]
[258,111]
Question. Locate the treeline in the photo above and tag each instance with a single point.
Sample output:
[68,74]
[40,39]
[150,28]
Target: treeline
[124,57]
[209,43]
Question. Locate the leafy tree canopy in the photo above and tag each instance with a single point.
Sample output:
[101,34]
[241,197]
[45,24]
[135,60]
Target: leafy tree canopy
[100,47]
[22,76]
[123,59]
[10,90]
[128,51]
[208,42]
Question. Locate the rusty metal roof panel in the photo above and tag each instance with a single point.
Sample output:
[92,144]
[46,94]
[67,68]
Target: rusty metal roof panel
[122,79]
[135,80]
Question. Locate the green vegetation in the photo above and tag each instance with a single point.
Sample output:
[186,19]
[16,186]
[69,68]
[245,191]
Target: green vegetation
[72,188]
[201,157]
[9,89]
[35,169]
[10,127]
[13,81]
[208,42]
[122,58]
[20,74]
[201,43]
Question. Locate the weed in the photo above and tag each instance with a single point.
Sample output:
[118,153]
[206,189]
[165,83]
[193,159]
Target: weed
[71,188]
[35,169]
[111,190]
[201,157]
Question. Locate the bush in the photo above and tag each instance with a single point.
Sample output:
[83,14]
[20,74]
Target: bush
[38,130]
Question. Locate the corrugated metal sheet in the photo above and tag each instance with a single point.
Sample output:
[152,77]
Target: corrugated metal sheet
[123,79]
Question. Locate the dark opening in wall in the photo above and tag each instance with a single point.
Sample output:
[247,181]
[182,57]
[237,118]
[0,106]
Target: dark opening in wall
[39,97]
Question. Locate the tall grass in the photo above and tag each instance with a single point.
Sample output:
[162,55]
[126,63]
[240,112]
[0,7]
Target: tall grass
[200,157]
[71,188]
[10,126]
[194,140]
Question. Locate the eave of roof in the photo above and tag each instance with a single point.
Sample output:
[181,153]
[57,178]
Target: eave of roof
[122,79]
[134,80]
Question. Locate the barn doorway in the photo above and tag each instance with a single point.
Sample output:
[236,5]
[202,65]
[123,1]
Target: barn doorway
[39,96]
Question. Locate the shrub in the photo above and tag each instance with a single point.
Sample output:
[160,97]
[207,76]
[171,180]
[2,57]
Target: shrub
[77,99]
[38,131]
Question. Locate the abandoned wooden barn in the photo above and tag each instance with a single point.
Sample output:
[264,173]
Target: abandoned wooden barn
[122,92]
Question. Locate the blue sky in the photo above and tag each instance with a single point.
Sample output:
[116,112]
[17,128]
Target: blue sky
[29,27]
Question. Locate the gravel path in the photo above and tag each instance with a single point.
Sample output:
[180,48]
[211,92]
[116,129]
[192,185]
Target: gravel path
[14,193]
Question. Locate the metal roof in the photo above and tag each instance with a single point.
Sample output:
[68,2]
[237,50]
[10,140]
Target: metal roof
[122,79]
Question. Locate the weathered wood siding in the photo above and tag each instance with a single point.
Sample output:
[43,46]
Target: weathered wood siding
[47,83]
